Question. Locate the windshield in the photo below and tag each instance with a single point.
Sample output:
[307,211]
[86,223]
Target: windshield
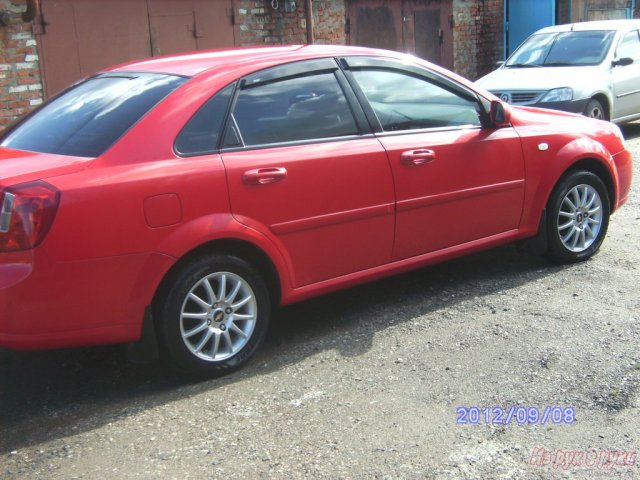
[91,116]
[562,49]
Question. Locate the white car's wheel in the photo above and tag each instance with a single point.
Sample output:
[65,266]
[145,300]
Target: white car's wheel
[594,109]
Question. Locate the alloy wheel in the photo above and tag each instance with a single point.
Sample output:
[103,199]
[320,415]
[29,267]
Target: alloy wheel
[218,316]
[580,218]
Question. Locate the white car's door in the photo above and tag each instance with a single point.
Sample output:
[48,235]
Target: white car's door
[626,78]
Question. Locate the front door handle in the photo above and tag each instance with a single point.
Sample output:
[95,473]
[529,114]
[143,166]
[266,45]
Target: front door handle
[264,176]
[417,157]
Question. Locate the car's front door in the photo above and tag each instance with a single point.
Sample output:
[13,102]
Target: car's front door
[303,169]
[456,181]
[626,78]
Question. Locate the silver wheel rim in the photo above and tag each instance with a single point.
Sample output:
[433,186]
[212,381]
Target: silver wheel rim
[580,218]
[596,112]
[218,316]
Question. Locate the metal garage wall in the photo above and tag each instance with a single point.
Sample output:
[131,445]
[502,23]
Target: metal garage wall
[80,37]
[421,27]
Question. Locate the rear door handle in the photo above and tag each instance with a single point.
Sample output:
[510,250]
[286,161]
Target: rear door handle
[417,157]
[264,176]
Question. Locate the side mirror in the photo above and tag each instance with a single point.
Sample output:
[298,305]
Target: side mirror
[499,63]
[622,62]
[499,116]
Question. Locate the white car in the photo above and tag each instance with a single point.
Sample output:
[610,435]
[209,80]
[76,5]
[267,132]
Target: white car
[591,68]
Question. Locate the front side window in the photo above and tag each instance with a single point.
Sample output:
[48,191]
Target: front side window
[575,48]
[405,102]
[629,46]
[295,109]
[87,119]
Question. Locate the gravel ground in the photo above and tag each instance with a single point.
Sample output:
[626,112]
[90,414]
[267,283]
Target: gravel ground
[366,383]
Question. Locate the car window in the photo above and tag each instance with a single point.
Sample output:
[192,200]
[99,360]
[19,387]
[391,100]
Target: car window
[405,102]
[294,109]
[563,49]
[629,46]
[533,51]
[201,133]
[88,118]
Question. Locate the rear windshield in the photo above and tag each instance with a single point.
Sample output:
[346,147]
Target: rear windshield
[90,117]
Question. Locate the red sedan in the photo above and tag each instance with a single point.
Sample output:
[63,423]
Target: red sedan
[176,201]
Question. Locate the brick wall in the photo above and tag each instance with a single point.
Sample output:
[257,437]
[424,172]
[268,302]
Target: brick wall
[478,34]
[20,83]
[261,24]
[478,41]
[329,22]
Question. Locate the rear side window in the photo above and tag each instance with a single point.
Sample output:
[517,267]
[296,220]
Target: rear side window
[200,135]
[295,109]
[86,120]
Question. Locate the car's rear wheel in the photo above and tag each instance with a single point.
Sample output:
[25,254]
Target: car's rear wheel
[594,109]
[577,217]
[213,316]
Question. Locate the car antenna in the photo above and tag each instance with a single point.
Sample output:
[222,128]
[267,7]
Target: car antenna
[572,26]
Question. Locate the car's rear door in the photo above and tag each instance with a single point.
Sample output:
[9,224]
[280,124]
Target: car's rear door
[303,168]
[455,180]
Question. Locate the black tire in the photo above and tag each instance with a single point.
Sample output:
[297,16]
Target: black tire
[578,237]
[220,320]
[595,109]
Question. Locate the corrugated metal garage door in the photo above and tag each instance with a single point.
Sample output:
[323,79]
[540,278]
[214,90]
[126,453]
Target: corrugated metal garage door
[421,27]
[80,37]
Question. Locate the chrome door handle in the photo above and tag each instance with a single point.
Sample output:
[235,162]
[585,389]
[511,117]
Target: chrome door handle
[264,176]
[417,157]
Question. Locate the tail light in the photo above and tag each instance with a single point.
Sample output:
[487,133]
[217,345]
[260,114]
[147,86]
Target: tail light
[26,214]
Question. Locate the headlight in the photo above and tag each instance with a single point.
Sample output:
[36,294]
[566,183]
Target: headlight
[558,95]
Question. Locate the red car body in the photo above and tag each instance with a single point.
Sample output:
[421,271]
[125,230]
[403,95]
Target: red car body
[320,216]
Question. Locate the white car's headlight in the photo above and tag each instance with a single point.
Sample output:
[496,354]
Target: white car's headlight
[558,95]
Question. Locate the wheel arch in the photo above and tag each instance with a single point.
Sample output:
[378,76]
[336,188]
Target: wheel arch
[567,162]
[597,168]
[243,249]
[605,102]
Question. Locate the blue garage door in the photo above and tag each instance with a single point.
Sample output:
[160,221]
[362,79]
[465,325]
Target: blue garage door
[523,17]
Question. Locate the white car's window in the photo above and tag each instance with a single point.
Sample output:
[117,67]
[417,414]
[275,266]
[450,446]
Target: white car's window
[405,102]
[563,49]
[629,46]
[533,51]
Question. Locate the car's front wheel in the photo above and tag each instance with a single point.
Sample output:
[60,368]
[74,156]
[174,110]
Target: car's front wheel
[594,109]
[577,217]
[213,315]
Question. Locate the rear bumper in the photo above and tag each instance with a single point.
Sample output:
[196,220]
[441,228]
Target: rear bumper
[48,304]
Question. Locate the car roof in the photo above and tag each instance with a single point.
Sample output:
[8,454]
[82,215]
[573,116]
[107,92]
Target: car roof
[195,63]
[595,25]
